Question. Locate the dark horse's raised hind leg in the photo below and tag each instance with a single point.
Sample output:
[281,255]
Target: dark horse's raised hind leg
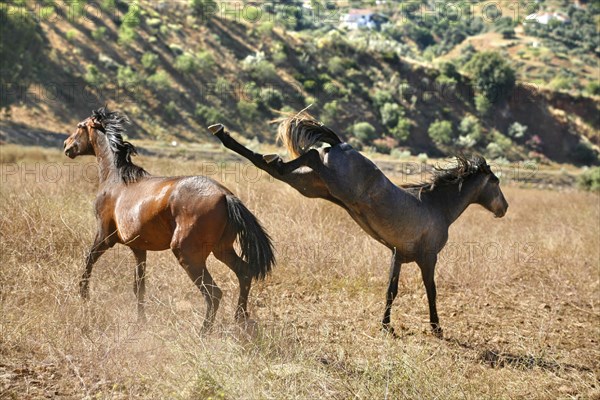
[392,291]
[308,183]
[310,159]
[139,283]
[427,265]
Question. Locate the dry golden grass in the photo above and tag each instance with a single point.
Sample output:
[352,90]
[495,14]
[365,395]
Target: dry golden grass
[518,299]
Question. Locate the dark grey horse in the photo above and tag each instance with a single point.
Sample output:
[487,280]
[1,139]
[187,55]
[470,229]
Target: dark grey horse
[412,221]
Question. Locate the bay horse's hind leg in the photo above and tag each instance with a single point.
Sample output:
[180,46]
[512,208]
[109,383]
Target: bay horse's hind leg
[195,266]
[241,269]
[139,283]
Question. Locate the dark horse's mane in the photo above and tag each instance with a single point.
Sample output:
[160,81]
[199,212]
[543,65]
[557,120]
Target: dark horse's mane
[113,123]
[455,175]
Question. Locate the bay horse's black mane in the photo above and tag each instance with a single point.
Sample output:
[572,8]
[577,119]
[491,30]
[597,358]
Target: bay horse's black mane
[455,175]
[113,123]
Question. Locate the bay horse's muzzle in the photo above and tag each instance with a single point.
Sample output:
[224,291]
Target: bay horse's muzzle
[69,149]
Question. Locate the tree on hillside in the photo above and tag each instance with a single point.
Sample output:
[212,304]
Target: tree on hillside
[204,8]
[21,44]
[491,75]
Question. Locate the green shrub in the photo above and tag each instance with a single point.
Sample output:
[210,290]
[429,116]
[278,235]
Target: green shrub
[160,80]
[71,35]
[470,132]
[207,114]
[336,65]
[99,33]
[441,132]
[492,75]
[150,61]
[206,61]
[186,63]
[127,76]
[364,131]
[259,68]
[380,97]
[402,130]
[330,112]
[132,18]
[170,111]
[265,29]
[204,9]
[390,113]
[516,130]
[108,5]
[93,77]
[498,146]
[126,35]
[593,88]
[482,104]
[247,109]
[272,98]
[590,179]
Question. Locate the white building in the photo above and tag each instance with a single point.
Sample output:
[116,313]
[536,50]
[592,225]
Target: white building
[544,18]
[360,19]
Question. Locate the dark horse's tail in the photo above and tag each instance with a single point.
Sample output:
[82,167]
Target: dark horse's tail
[255,243]
[300,132]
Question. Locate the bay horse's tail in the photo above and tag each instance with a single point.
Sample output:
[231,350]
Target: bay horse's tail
[300,132]
[255,243]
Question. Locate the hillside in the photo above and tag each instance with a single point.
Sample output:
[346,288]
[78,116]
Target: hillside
[176,69]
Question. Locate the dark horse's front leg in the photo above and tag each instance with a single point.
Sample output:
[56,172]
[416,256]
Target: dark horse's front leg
[427,265]
[392,291]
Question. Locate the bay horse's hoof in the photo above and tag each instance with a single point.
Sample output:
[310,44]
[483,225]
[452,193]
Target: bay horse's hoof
[216,129]
[269,158]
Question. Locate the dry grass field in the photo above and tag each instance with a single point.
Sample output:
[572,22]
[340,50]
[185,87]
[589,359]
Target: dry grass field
[518,299]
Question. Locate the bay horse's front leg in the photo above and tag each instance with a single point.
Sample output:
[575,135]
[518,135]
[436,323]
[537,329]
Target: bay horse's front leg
[98,248]
[139,283]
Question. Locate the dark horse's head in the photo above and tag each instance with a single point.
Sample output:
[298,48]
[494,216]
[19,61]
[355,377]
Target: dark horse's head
[475,171]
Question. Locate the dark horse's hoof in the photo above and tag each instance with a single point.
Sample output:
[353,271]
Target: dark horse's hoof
[84,291]
[437,331]
[216,129]
[269,158]
[389,330]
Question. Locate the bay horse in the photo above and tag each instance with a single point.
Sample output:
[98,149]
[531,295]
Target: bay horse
[412,220]
[191,215]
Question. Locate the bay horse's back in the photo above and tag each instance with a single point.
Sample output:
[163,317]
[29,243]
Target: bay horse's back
[209,218]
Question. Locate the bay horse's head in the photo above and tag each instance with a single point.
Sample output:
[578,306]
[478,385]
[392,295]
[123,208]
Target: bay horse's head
[80,143]
[490,195]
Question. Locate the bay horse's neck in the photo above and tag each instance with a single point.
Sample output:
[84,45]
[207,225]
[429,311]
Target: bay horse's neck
[107,168]
[453,199]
